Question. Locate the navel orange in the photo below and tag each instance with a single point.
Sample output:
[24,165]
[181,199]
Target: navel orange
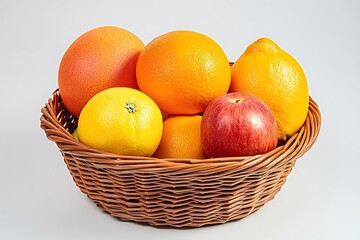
[182,71]
[181,138]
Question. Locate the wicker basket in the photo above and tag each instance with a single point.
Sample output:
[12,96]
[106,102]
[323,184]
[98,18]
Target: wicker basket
[176,192]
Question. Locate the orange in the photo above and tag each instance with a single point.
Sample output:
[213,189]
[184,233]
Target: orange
[182,71]
[273,75]
[121,120]
[181,138]
[101,58]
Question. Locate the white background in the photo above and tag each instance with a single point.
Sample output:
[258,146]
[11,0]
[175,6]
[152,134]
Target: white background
[320,200]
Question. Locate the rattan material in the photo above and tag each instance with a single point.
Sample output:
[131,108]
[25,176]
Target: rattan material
[176,192]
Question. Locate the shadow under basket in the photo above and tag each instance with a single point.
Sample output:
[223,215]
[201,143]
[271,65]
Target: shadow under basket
[176,192]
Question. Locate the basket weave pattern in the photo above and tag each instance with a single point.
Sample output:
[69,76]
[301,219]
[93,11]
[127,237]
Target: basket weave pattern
[176,192]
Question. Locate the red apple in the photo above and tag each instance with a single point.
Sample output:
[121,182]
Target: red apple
[238,124]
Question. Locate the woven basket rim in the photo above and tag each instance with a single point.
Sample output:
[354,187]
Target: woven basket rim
[51,125]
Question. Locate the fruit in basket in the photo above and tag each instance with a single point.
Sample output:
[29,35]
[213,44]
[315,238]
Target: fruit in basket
[182,71]
[238,124]
[274,76]
[121,120]
[75,135]
[181,138]
[101,58]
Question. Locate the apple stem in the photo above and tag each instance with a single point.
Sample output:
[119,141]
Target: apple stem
[130,107]
[237,100]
